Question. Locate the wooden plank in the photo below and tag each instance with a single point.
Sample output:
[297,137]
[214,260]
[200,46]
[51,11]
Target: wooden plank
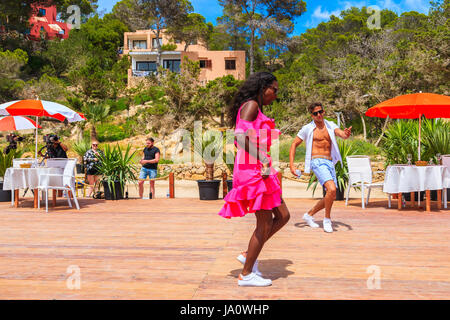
[181,249]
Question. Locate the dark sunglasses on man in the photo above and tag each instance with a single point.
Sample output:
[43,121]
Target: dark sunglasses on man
[317,112]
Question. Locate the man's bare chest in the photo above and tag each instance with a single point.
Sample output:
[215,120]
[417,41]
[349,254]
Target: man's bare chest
[321,134]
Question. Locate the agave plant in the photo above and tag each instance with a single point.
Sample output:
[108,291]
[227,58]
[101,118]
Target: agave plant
[6,160]
[117,165]
[210,149]
[436,138]
[346,148]
[81,147]
[401,139]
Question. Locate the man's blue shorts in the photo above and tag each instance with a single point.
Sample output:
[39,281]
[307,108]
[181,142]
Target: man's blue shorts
[324,170]
[152,173]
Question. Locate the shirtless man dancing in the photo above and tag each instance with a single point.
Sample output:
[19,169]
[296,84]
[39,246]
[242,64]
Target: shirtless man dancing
[322,153]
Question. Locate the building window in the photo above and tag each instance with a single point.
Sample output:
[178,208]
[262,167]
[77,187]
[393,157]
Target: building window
[154,43]
[62,31]
[139,44]
[42,13]
[145,66]
[230,64]
[204,63]
[172,65]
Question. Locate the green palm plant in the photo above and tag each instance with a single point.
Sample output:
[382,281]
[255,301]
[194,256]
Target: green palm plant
[346,148]
[117,166]
[6,160]
[81,147]
[401,139]
[210,149]
[95,114]
[436,138]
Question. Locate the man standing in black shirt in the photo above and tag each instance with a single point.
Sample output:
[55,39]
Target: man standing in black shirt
[149,167]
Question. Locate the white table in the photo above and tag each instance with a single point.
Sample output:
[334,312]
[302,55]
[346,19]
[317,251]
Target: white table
[410,178]
[22,178]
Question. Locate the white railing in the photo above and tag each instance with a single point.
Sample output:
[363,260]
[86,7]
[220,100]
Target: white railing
[137,73]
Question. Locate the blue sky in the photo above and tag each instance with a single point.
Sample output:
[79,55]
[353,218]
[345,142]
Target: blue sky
[316,10]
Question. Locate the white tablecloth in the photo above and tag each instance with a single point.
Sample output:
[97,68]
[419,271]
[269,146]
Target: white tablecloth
[405,178]
[21,178]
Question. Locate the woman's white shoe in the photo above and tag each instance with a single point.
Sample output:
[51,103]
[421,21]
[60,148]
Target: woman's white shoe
[253,280]
[255,269]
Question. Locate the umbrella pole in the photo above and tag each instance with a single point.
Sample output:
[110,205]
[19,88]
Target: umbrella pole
[35,138]
[420,122]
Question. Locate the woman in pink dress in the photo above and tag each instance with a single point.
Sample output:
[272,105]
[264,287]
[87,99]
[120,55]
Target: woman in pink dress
[256,188]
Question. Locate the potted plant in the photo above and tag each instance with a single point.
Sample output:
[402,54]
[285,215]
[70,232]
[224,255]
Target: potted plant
[81,147]
[116,168]
[208,150]
[6,161]
[346,148]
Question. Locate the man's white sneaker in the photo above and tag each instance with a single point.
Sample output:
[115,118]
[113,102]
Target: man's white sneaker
[327,227]
[310,221]
[253,280]
[241,258]
[255,269]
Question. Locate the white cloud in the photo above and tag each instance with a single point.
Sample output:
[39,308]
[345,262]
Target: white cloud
[323,15]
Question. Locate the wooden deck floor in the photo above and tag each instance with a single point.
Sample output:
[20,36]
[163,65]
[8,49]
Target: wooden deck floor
[181,249]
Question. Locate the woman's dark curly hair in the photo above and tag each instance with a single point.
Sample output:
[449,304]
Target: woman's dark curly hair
[251,89]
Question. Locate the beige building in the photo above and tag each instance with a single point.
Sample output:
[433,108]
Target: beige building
[142,48]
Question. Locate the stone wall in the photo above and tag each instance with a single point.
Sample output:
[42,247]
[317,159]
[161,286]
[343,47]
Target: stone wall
[196,171]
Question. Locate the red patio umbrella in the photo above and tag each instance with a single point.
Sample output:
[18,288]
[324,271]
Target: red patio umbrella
[413,106]
[40,108]
[11,123]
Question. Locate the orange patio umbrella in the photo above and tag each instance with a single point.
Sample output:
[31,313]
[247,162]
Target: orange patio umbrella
[413,106]
[13,123]
[40,108]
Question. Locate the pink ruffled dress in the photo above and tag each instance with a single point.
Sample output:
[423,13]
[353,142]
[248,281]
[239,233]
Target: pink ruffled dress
[250,191]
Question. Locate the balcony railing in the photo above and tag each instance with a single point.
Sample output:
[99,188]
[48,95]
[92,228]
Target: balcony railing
[137,73]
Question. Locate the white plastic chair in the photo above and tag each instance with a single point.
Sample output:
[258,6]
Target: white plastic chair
[65,181]
[445,162]
[57,162]
[360,175]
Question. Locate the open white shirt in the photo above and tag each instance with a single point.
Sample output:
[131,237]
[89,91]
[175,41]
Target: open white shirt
[306,133]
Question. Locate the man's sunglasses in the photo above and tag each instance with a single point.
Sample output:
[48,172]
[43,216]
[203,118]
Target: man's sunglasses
[317,112]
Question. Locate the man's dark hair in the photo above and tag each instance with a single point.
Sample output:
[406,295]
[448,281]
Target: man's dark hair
[151,139]
[314,105]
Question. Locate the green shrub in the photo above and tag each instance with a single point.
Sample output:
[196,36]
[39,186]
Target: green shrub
[117,105]
[365,148]
[284,151]
[402,137]
[110,132]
